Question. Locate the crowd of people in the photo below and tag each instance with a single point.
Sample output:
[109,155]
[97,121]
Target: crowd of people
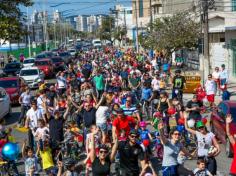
[113,106]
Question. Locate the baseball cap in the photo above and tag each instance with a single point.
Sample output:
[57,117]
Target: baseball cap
[200,124]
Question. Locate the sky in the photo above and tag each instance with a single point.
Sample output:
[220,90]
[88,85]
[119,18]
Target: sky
[76,7]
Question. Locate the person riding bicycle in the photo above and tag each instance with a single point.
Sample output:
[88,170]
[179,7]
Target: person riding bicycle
[70,164]
[179,83]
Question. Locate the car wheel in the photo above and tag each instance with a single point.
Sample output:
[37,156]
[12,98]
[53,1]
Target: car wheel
[228,150]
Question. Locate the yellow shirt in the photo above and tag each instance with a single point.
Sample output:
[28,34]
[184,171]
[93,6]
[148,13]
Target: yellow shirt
[47,160]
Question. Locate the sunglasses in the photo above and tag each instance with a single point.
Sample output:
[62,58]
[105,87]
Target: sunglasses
[133,136]
[103,151]
[176,134]
[200,128]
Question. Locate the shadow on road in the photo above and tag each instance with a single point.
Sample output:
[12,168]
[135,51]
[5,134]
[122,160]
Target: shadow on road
[13,118]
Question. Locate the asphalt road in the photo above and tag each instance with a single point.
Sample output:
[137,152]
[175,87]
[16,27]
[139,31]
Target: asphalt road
[222,161]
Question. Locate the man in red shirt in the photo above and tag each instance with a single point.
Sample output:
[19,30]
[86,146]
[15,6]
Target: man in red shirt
[122,122]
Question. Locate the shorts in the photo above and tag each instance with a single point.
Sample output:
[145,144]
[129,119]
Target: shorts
[102,126]
[169,170]
[211,98]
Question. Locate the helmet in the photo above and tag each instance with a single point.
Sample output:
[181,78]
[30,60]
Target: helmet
[142,124]
[177,71]
[200,124]
[69,162]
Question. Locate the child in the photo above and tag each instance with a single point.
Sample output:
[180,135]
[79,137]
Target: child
[30,160]
[201,169]
[93,129]
[47,159]
[122,136]
[42,131]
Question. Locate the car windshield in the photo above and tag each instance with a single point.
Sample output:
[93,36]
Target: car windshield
[12,66]
[64,54]
[54,60]
[28,61]
[41,63]
[41,56]
[28,72]
[8,83]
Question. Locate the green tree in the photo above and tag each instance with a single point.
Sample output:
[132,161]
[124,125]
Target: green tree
[172,33]
[11,19]
[107,28]
[119,33]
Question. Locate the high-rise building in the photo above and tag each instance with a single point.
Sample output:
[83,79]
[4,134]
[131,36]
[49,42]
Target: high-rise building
[81,23]
[57,17]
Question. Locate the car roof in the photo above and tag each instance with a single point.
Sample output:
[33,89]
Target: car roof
[31,58]
[30,68]
[42,60]
[9,78]
[12,63]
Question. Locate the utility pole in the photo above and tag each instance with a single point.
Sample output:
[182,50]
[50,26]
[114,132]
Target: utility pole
[125,26]
[136,19]
[206,61]
[151,18]
[28,28]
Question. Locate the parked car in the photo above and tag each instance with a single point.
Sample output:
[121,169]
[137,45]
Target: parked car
[13,87]
[32,76]
[12,68]
[72,51]
[29,62]
[46,66]
[58,63]
[5,103]
[66,56]
[217,123]
[41,56]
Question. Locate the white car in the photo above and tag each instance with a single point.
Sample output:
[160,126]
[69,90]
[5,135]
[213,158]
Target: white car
[5,103]
[29,62]
[72,52]
[97,43]
[32,76]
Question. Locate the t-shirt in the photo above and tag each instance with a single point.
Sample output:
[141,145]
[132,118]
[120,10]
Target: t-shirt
[42,133]
[56,128]
[34,116]
[99,82]
[31,163]
[129,156]
[204,143]
[194,114]
[210,87]
[129,111]
[89,117]
[123,124]
[47,160]
[26,98]
[171,152]
[102,114]
[134,81]
[198,172]
[146,94]
[100,169]
[178,82]
[143,134]
[156,84]
[233,164]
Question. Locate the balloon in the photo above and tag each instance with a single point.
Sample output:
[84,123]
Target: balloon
[10,151]
[146,142]
[204,120]
[171,111]
[181,121]
[180,128]
[191,123]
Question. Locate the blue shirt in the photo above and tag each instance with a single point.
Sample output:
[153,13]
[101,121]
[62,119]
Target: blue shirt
[143,134]
[146,93]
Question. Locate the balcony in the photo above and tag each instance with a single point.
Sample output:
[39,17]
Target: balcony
[156,2]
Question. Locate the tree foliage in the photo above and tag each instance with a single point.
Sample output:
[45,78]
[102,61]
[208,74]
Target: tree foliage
[172,33]
[11,19]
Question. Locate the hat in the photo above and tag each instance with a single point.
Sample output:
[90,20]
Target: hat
[133,131]
[119,111]
[200,124]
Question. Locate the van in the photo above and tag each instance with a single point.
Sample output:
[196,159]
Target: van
[97,43]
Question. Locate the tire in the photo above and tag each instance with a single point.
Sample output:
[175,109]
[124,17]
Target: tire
[228,150]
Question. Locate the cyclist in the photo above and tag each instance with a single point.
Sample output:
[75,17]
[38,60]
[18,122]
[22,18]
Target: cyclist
[179,83]
[70,164]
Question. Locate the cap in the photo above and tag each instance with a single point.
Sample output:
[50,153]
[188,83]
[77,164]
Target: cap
[200,124]
[133,131]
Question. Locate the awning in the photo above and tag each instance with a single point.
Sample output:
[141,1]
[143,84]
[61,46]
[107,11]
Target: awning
[230,28]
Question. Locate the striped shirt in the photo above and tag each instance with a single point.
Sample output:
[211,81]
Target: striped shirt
[129,111]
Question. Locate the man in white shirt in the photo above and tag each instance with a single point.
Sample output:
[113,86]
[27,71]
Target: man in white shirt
[24,100]
[32,117]
[156,83]
[216,77]
[61,82]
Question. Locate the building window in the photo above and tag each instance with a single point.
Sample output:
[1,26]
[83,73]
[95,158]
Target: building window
[140,8]
[233,5]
